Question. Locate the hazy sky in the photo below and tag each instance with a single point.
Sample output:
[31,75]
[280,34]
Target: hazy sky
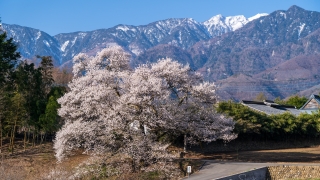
[63,16]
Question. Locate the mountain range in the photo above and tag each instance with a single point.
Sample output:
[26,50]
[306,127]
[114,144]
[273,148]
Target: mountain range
[182,33]
[277,53]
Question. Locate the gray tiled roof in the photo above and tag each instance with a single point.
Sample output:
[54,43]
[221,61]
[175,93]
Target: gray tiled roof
[270,107]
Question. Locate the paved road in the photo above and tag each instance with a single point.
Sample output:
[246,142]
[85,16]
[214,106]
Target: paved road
[218,169]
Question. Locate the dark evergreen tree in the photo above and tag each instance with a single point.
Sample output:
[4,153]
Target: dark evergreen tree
[8,59]
[46,69]
[28,82]
[50,121]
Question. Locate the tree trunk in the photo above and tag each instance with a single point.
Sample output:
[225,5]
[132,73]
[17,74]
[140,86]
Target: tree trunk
[11,142]
[24,140]
[0,137]
[33,138]
[185,143]
[13,134]
[28,139]
[42,137]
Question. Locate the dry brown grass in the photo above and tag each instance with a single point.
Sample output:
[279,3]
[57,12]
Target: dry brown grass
[39,162]
[34,163]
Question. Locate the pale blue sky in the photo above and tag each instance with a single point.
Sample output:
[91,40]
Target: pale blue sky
[63,16]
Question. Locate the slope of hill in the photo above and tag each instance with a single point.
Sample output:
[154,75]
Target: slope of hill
[259,45]
[182,33]
[32,42]
[288,78]
[162,51]
[290,36]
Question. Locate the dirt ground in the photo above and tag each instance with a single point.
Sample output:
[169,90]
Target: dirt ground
[35,163]
[39,162]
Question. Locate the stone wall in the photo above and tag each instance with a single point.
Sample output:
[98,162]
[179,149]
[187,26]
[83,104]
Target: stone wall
[283,172]
[293,172]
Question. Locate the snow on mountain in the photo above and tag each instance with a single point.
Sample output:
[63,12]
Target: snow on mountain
[218,25]
[236,22]
[257,16]
[250,46]
[179,32]
[276,54]
[32,42]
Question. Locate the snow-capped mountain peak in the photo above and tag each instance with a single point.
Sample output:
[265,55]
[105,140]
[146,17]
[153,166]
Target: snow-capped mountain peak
[235,22]
[215,20]
[219,24]
[257,16]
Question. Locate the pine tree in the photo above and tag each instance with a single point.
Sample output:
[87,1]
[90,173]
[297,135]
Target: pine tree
[46,69]
[50,120]
[8,59]
[17,117]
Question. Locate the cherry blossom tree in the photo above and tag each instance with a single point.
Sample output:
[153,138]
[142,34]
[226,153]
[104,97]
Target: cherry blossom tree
[91,107]
[171,98]
[112,108]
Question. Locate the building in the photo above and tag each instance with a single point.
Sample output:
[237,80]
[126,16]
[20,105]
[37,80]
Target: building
[269,107]
[312,105]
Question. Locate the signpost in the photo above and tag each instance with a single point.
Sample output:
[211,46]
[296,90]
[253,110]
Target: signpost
[188,170]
